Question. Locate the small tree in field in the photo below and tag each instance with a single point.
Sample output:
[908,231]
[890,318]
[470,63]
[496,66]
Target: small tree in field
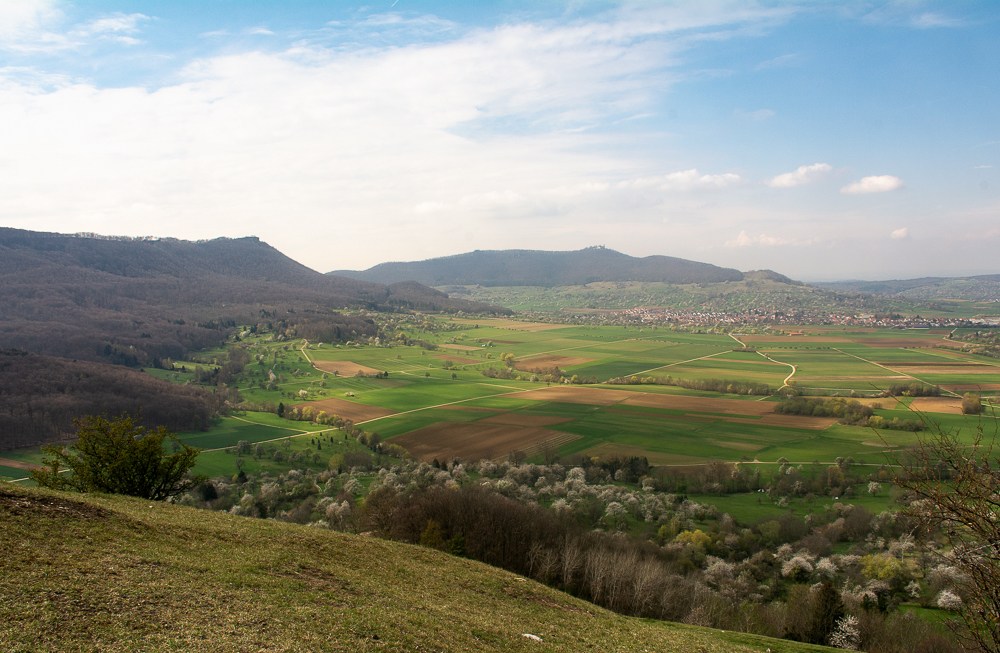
[971,404]
[118,456]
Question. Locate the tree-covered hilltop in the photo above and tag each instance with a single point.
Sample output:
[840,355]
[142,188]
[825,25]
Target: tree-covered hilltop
[132,300]
[524,267]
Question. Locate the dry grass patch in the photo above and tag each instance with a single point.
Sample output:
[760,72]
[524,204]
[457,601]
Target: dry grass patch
[542,363]
[155,577]
[347,409]
[344,368]
[947,405]
[574,395]
[459,347]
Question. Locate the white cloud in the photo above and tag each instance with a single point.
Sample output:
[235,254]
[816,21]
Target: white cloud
[684,180]
[26,26]
[931,20]
[260,30]
[980,167]
[116,23]
[358,146]
[900,234]
[801,176]
[874,184]
[745,240]
[784,61]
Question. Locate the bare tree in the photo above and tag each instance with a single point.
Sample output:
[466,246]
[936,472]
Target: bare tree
[956,486]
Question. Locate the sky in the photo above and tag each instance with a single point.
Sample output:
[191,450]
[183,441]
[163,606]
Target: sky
[823,140]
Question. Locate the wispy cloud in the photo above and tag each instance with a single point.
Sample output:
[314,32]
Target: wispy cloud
[784,61]
[758,115]
[981,167]
[685,180]
[259,30]
[900,234]
[746,240]
[930,20]
[801,176]
[874,184]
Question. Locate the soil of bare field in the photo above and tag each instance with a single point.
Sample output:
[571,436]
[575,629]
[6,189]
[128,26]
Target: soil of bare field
[474,441]
[344,368]
[542,363]
[356,412]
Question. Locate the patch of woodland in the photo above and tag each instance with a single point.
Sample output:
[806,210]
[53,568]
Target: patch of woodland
[850,412]
[520,267]
[40,396]
[134,301]
[835,577]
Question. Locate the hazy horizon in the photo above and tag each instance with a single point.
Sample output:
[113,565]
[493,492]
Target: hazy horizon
[825,141]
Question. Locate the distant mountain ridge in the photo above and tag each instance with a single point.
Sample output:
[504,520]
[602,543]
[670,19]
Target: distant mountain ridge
[523,267]
[985,287]
[134,300]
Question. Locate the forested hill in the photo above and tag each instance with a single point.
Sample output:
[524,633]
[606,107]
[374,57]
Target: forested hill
[979,288]
[134,301]
[523,267]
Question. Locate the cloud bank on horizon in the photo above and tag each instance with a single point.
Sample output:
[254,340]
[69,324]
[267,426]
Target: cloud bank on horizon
[841,140]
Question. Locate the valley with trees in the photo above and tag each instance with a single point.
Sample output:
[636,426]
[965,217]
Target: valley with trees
[733,474]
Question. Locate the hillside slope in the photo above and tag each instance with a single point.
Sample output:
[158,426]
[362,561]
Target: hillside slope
[130,301]
[84,573]
[522,267]
[979,288]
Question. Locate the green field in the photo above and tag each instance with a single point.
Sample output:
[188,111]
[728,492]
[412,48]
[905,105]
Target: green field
[423,393]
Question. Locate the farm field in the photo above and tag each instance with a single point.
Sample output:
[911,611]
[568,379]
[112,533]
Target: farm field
[445,388]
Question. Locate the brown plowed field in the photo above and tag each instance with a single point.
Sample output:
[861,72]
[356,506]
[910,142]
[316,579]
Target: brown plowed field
[805,340]
[458,359]
[949,405]
[971,371]
[348,409]
[700,404]
[733,407]
[345,368]
[574,395]
[514,419]
[548,362]
[971,387]
[883,343]
[460,347]
[470,441]
[17,464]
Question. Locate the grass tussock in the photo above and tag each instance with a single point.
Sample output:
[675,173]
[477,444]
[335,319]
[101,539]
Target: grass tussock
[87,573]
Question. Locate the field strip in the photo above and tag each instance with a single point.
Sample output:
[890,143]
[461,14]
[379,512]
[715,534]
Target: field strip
[700,358]
[17,464]
[909,376]
[553,443]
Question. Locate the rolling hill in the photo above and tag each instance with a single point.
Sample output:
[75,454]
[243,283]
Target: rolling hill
[522,267]
[133,301]
[88,573]
[978,288]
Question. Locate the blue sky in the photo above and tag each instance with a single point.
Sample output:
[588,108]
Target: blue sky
[824,140]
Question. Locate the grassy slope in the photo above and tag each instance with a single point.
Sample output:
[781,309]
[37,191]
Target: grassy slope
[83,573]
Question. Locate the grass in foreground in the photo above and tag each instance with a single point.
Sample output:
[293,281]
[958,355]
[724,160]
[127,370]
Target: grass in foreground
[86,572]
